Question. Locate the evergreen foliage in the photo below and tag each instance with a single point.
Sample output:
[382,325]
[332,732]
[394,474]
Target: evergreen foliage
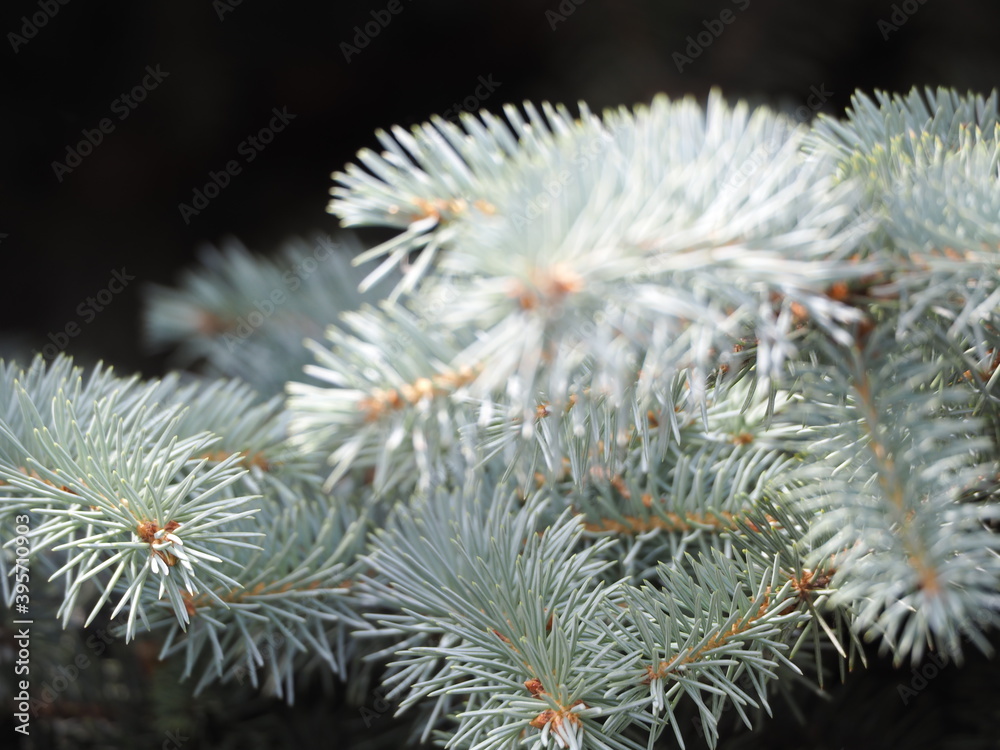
[667,410]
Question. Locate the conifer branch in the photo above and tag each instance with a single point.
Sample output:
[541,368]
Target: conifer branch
[666,406]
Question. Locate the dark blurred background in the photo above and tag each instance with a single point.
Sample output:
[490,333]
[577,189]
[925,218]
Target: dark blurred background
[228,65]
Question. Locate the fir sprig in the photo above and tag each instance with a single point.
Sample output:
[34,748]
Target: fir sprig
[668,405]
